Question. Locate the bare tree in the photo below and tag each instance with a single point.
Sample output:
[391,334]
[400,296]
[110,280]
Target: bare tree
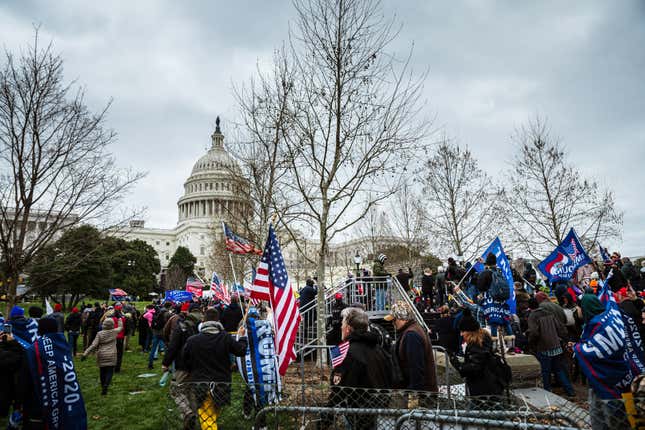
[547,196]
[55,170]
[355,113]
[375,226]
[408,220]
[461,201]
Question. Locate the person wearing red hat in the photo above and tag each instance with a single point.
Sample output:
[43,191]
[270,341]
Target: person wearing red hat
[335,320]
[120,338]
[59,317]
[73,328]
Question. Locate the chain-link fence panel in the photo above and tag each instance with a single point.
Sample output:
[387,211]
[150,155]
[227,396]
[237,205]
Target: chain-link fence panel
[322,406]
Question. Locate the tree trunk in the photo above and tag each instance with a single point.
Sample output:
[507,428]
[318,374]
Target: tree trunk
[13,286]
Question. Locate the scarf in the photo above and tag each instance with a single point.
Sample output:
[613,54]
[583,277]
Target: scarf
[211,327]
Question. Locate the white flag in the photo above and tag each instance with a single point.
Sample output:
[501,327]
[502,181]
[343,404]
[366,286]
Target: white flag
[48,307]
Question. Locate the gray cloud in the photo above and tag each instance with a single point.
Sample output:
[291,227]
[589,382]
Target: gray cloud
[169,67]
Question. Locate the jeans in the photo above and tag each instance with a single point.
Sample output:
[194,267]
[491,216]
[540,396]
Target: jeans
[72,338]
[157,343]
[556,365]
[506,325]
[380,298]
[106,375]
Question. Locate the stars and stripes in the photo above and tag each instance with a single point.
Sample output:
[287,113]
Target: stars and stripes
[118,292]
[237,244]
[271,283]
[219,290]
[338,353]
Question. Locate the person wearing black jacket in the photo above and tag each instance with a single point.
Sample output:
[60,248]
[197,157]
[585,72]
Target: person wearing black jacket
[206,356]
[11,361]
[365,366]
[478,356]
[73,328]
[427,286]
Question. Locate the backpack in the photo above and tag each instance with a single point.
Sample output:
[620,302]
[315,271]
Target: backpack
[500,370]
[499,289]
[159,320]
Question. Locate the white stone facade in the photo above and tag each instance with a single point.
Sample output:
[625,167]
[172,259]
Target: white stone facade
[211,195]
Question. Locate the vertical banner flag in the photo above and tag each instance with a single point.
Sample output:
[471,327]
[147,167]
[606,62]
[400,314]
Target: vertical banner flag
[237,244]
[565,259]
[604,254]
[503,264]
[272,283]
[259,367]
[58,393]
[610,349]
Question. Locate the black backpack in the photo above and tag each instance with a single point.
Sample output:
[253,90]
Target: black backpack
[159,319]
[500,370]
[499,289]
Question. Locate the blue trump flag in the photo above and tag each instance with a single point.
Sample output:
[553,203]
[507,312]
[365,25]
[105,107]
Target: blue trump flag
[610,351]
[178,296]
[57,389]
[565,259]
[502,262]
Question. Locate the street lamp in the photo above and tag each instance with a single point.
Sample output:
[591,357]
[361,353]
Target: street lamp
[358,260]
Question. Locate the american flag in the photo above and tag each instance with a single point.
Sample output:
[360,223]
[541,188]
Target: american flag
[271,283]
[219,290]
[237,244]
[338,353]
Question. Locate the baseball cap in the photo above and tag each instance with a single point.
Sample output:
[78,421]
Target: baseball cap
[400,311]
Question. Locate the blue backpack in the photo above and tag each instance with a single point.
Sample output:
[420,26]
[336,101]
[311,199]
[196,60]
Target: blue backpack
[499,289]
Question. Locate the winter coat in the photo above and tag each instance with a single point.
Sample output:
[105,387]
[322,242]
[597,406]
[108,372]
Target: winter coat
[414,351]
[545,330]
[404,279]
[379,270]
[73,322]
[206,358]
[60,320]
[186,327]
[476,369]
[307,295]
[484,280]
[554,309]
[632,275]
[11,358]
[365,366]
[150,313]
[427,284]
[105,346]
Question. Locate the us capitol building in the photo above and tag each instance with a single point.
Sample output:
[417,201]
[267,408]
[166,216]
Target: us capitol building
[212,194]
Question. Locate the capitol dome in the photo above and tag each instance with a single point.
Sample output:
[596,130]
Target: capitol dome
[214,191]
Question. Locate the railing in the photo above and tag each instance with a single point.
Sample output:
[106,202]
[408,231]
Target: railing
[374,294]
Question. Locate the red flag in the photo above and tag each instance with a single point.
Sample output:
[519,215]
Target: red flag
[272,283]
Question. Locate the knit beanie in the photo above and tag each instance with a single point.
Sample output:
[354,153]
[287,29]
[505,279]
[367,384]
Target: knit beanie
[184,307]
[58,307]
[16,312]
[468,323]
[491,260]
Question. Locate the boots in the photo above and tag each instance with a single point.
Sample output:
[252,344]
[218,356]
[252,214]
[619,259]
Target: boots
[104,390]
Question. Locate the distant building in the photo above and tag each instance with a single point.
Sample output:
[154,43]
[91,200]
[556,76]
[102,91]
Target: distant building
[211,195]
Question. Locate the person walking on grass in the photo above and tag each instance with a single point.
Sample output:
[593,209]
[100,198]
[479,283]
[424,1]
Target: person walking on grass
[73,327]
[106,352]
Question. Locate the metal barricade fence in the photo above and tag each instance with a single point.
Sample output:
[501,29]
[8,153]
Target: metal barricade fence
[198,405]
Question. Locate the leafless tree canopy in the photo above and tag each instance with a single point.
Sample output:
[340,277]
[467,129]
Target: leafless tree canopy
[547,196]
[409,221]
[54,164]
[461,201]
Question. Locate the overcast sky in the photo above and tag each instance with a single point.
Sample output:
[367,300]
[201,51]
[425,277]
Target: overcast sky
[170,66]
